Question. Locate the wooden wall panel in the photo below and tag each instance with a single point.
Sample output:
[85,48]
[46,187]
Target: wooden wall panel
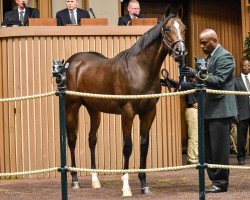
[45,7]
[224,19]
[1,11]
[245,15]
[30,132]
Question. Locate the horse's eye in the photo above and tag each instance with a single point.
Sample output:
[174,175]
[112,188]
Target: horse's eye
[166,29]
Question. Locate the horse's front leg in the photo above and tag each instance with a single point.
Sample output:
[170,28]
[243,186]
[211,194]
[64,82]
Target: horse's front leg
[127,121]
[71,125]
[95,118]
[146,120]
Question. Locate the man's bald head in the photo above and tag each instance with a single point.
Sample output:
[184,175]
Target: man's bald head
[209,33]
[208,41]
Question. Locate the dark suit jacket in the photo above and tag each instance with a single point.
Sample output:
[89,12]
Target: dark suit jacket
[221,67]
[123,21]
[63,17]
[11,17]
[243,103]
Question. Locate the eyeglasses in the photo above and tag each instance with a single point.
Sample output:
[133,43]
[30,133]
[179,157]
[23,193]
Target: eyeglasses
[135,8]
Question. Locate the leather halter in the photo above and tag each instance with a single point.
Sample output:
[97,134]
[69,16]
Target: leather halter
[169,44]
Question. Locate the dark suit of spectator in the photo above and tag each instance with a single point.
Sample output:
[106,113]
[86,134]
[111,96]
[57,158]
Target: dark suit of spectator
[63,16]
[243,105]
[11,17]
[126,20]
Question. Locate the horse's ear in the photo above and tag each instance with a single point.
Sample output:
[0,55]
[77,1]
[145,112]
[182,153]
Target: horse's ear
[168,11]
[54,62]
[62,61]
[180,11]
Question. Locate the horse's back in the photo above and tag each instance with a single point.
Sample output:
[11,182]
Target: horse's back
[86,56]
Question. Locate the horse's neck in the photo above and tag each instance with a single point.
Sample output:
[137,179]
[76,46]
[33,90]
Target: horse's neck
[154,55]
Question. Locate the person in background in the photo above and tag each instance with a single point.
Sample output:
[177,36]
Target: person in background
[219,109]
[191,115]
[133,12]
[243,105]
[71,15]
[21,14]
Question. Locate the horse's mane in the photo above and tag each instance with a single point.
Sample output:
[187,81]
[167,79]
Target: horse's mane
[145,40]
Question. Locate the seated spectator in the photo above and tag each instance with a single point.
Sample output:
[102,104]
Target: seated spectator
[71,15]
[133,12]
[21,14]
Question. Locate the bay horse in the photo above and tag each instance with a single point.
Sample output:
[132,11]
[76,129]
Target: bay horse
[134,71]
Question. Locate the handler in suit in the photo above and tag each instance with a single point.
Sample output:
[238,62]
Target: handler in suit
[21,14]
[71,15]
[133,12]
[243,104]
[219,109]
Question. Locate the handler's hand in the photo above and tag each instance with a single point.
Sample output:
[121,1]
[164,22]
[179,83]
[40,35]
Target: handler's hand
[188,71]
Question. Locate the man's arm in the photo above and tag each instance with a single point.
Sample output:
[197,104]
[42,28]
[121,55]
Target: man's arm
[121,22]
[36,13]
[224,68]
[59,20]
[87,14]
[33,13]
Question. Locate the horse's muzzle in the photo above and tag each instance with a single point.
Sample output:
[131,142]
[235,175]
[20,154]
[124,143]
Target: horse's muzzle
[179,55]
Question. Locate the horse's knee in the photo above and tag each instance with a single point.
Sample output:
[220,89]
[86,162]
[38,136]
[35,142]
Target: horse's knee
[145,141]
[127,149]
[72,141]
[92,141]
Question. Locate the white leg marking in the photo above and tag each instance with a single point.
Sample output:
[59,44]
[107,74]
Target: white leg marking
[126,191]
[95,181]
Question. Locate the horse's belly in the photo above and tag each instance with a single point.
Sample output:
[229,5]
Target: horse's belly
[104,105]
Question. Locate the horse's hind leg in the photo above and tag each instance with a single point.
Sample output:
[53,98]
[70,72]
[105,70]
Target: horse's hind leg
[127,121]
[95,118]
[146,121]
[72,110]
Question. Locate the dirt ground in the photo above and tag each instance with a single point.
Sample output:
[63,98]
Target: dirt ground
[178,185]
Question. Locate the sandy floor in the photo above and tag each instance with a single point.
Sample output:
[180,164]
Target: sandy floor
[176,185]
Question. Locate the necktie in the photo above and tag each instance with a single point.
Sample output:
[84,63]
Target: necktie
[247,83]
[72,17]
[22,17]
[208,59]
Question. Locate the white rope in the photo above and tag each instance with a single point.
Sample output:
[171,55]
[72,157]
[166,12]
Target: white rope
[145,96]
[28,97]
[29,172]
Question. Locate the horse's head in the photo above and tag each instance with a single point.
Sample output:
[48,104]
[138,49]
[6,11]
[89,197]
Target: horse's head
[59,69]
[173,34]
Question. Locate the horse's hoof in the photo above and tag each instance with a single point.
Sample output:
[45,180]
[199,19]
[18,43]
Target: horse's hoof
[96,184]
[75,185]
[145,190]
[127,192]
